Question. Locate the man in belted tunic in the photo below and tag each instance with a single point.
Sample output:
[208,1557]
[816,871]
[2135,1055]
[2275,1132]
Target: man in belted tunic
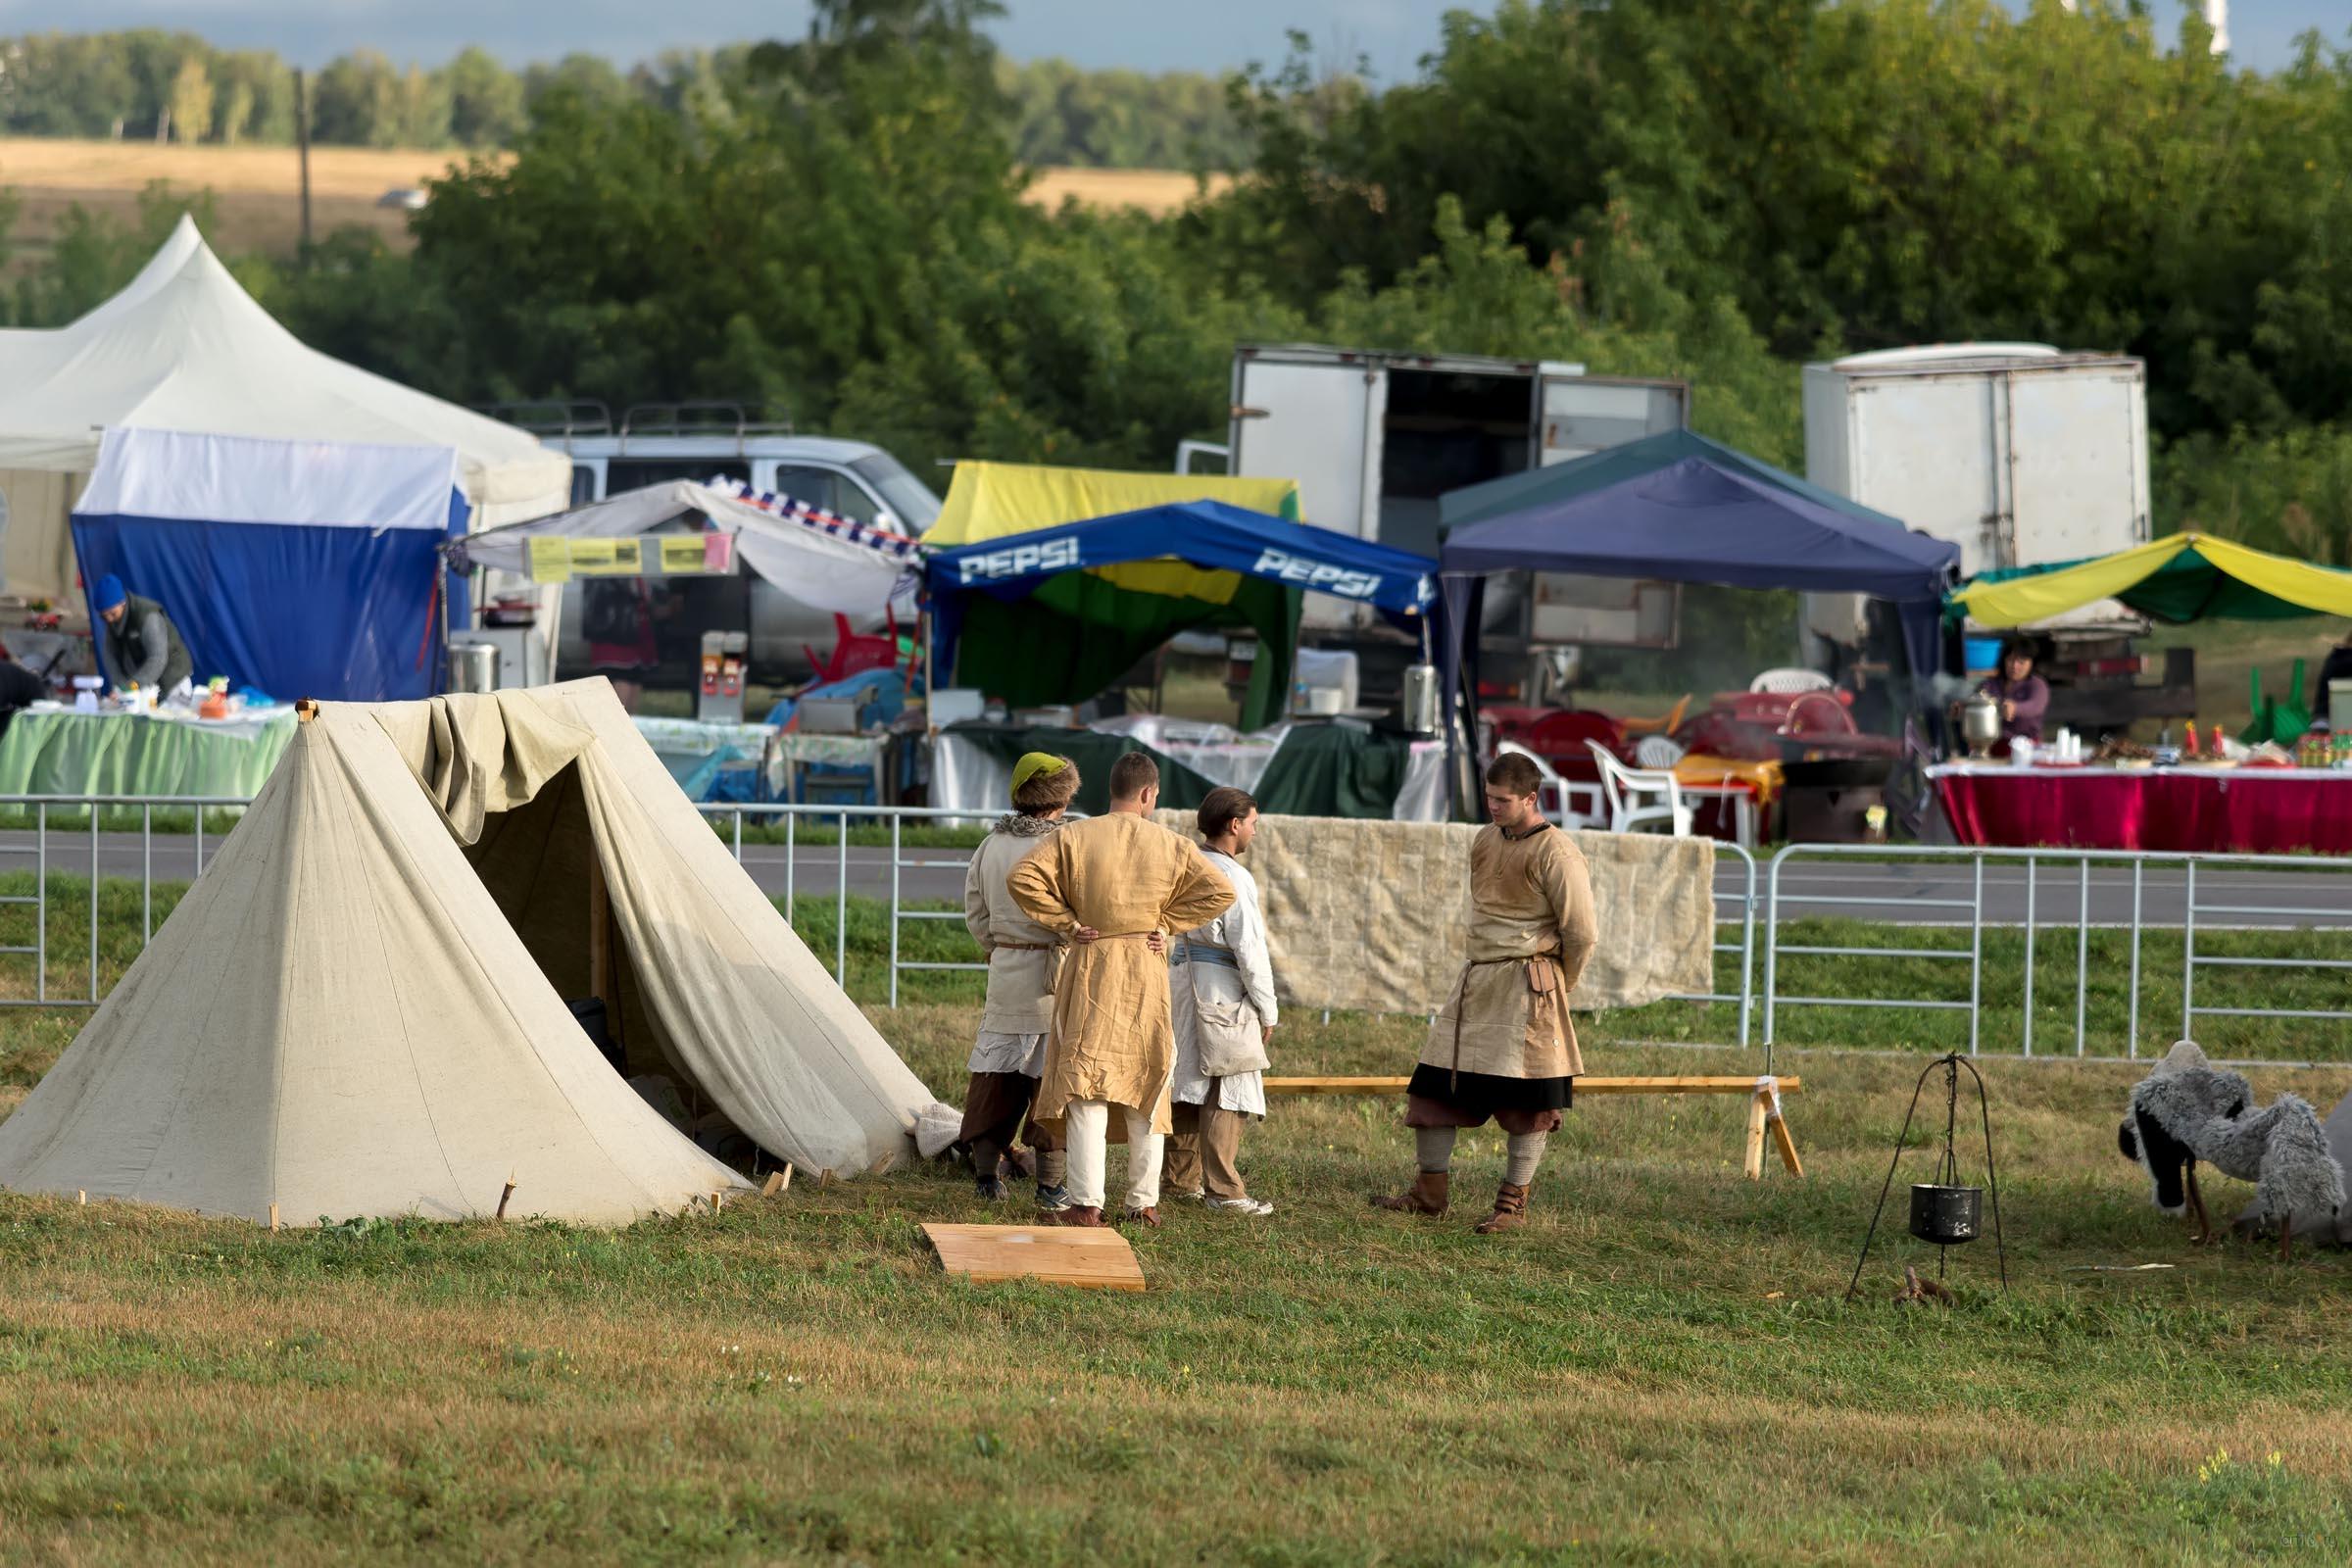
[1022,959]
[1108,885]
[1504,1046]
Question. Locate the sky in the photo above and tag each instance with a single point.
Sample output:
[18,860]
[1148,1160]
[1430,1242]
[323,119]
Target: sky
[1209,35]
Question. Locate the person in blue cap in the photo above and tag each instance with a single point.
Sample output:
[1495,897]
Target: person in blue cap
[138,645]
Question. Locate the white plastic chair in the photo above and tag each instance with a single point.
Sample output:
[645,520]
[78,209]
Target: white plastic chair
[1657,752]
[1625,790]
[1557,797]
[1791,682]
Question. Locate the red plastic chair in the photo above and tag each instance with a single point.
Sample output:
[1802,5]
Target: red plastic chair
[854,654]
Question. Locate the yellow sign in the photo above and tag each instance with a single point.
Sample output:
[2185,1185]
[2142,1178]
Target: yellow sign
[549,560]
[681,553]
[607,558]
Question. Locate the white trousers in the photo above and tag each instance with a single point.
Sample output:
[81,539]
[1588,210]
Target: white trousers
[1086,1129]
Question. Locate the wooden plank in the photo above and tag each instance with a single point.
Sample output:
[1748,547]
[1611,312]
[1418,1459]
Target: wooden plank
[1759,1109]
[1591,1084]
[1097,1260]
[1788,1146]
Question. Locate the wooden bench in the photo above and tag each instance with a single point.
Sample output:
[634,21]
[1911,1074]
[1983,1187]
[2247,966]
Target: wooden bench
[1763,1104]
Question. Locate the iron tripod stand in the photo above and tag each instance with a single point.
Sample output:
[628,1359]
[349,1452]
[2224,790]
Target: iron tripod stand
[1943,1212]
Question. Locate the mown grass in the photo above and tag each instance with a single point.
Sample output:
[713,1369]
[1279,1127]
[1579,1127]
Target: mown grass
[1662,1368]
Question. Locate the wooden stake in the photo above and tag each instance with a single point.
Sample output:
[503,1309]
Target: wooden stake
[80,1196]
[273,1216]
[786,1186]
[1759,1109]
[776,1182]
[719,1201]
[503,1196]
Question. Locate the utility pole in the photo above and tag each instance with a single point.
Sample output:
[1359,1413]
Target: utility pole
[302,141]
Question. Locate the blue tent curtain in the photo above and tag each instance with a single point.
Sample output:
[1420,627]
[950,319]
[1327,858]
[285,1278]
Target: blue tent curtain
[296,611]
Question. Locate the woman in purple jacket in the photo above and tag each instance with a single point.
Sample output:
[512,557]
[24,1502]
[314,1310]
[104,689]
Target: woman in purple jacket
[2022,695]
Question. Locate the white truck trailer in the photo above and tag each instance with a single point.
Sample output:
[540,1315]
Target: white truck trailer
[2019,453]
[1375,438]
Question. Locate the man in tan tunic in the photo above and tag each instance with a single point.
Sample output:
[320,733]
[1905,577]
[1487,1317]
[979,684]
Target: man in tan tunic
[1107,885]
[1022,957]
[1504,1046]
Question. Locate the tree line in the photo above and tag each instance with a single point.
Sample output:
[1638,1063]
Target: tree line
[147,85]
[1715,190]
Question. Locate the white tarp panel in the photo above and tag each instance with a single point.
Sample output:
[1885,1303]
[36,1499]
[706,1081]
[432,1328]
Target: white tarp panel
[804,562]
[225,479]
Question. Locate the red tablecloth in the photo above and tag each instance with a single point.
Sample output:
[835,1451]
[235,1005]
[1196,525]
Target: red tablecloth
[2263,811]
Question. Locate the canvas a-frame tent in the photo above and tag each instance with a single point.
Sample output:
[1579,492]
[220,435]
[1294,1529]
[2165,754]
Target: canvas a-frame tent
[359,1009]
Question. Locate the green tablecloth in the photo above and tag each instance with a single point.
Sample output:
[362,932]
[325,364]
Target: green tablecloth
[59,751]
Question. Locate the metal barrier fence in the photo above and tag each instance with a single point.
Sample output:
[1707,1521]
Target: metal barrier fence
[122,843]
[2313,878]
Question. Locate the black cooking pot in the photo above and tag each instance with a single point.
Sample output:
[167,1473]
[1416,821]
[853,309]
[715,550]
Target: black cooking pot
[1947,1216]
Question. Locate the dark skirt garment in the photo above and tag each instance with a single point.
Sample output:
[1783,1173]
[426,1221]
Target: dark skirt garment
[993,1104]
[1439,1096]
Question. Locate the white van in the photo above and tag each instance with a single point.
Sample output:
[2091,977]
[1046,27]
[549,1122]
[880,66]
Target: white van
[655,443]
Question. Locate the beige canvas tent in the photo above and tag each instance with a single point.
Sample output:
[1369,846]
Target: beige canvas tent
[360,1008]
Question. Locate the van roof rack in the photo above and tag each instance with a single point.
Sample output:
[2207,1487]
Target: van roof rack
[706,417]
[553,415]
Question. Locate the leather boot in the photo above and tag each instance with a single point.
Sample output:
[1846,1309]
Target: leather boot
[1085,1218]
[1426,1194]
[1510,1210]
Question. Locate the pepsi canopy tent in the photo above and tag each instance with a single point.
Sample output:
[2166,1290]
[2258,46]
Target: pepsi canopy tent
[1037,618]
[306,569]
[1680,507]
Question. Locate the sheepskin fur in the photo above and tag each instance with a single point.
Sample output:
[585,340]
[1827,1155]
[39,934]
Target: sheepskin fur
[2188,1110]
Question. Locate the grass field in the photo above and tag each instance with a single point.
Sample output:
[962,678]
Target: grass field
[257,189]
[1661,1369]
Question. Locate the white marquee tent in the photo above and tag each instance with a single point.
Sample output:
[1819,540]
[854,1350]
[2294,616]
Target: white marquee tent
[359,1009]
[183,347]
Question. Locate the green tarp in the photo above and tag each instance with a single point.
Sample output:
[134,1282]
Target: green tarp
[1078,633]
[127,754]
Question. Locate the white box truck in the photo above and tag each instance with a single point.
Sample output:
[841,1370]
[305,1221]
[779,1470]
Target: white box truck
[1375,438]
[2019,453]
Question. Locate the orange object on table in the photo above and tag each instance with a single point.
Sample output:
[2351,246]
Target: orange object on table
[1763,779]
[215,706]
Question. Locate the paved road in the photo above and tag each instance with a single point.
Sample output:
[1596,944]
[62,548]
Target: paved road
[1916,892]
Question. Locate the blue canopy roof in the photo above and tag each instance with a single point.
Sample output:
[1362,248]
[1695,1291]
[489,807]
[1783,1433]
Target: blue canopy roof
[1209,535]
[1680,507]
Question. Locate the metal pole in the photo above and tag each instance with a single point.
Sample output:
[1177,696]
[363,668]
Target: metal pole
[894,822]
[841,909]
[40,902]
[2189,951]
[739,835]
[2081,954]
[146,874]
[792,858]
[1771,946]
[2029,1039]
[1976,961]
[1748,955]
[93,902]
[2133,1047]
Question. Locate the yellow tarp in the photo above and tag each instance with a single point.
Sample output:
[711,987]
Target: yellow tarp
[2022,599]
[987,499]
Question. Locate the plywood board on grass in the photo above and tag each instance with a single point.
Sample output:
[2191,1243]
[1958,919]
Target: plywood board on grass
[1090,1258]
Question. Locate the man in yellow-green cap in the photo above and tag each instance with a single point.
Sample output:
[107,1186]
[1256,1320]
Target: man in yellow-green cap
[1023,959]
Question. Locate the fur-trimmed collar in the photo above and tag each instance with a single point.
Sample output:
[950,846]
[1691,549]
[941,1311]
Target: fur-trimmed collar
[1021,826]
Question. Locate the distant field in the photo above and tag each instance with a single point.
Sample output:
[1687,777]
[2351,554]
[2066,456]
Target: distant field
[256,189]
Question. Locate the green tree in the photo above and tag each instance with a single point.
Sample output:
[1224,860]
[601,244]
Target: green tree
[485,100]
[191,101]
[356,102]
